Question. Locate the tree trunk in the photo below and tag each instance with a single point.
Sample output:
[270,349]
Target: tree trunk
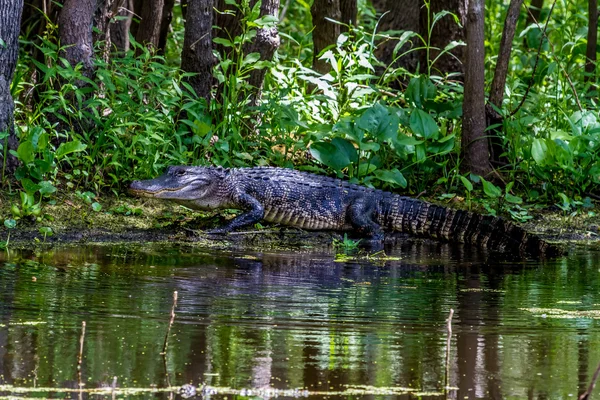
[325,32]
[102,18]
[399,15]
[148,32]
[499,81]
[197,46]
[119,28]
[349,12]
[411,15]
[445,31]
[592,41]
[535,11]
[265,43]
[474,142]
[167,17]
[10,21]
[75,32]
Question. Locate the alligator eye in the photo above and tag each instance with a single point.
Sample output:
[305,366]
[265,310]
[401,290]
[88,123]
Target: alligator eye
[180,172]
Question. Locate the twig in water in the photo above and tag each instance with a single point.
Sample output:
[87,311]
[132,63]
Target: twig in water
[80,357]
[448,340]
[588,392]
[165,345]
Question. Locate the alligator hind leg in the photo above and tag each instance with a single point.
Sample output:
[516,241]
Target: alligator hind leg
[360,216]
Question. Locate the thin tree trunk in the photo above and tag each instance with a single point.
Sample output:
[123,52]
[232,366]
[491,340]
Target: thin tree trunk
[265,43]
[592,41]
[167,17]
[499,81]
[10,21]
[197,54]
[119,28]
[325,32]
[148,32]
[75,31]
[474,142]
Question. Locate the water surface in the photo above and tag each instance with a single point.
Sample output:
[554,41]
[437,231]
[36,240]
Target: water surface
[298,320]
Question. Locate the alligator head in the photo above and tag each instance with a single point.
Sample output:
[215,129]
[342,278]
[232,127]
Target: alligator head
[194,187]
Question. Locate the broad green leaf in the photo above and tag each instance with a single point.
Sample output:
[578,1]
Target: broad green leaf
[328,154]
[380,122]
[46,231]
[491,190]
[29,186]
[26,152]
[393,176]
[223,42]
[468,185]
[539,150]
[419,90]
[68,148]
[423,124]
[10,223]
[46,187]
[251,58]
[346,147]
[96,206]
[513,199]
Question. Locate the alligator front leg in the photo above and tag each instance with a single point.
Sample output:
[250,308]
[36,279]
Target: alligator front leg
[254,213]
[360,216]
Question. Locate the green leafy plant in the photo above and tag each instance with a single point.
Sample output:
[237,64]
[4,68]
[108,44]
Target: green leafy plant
[346,246]
[9,224]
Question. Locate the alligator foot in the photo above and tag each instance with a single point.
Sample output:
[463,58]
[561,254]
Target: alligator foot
[372,245]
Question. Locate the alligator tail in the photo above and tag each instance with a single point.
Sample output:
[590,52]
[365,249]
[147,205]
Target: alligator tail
[424,219]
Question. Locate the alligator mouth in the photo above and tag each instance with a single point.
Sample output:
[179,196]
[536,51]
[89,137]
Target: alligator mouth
[153,193]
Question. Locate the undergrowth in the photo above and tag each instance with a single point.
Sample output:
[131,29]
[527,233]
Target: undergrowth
[138,115]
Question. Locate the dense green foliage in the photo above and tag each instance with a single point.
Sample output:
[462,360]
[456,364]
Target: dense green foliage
[372,123]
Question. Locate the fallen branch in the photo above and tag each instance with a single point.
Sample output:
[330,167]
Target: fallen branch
[588,392]
[80,356]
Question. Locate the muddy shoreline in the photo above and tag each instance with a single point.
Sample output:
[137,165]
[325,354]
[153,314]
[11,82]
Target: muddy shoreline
[132,220]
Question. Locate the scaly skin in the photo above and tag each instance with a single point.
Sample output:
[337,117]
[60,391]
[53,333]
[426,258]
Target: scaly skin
[315,202]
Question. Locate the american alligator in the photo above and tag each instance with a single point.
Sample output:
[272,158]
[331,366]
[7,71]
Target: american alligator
[315,202]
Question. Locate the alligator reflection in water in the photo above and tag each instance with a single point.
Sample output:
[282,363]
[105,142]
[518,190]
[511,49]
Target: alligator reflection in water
[299,320]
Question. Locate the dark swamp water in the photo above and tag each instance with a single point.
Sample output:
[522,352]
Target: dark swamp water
[298,322]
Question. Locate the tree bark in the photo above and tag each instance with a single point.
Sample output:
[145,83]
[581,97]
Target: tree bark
[265,43]
[75,32]
[349,13]
[400,15]
[167,17]
[474,142]
[325,32]
[411,15]
[197,46]
[102,18]
[120,25]
[499,81]
[535,11]
[10,21]
[148,32]
[592,41]
[445,31]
